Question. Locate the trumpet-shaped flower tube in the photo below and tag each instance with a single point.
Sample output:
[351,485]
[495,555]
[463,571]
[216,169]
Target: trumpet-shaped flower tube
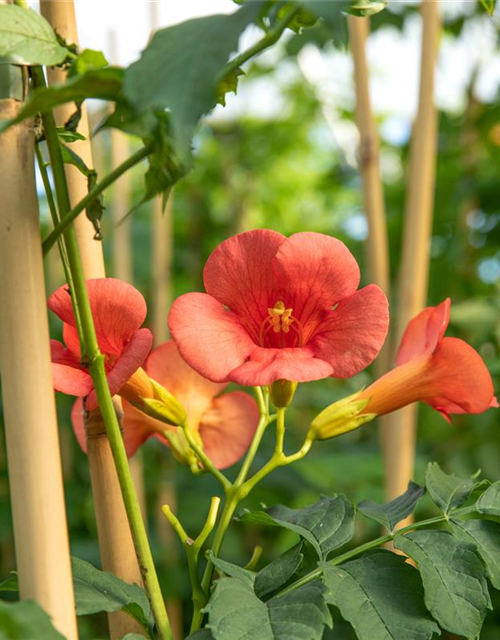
[445,373]
[280,308]
[118,310]
[223,424]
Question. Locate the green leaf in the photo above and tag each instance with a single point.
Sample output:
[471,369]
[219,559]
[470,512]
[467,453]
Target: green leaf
[97,591]
[486,536]
[233,570]
[25,620]
[184,79]
[229,84]
[489,503]
[70,157]
[447,491]
[366,8]
[201,634]
[327,524]
[489,5]
[104,84]
[234,611]
[330,12]
[69,136]
[393,512]
[87,60]
[279,571]
[454,577]
[133,636]
[10,584]
[27,38]
[380,595]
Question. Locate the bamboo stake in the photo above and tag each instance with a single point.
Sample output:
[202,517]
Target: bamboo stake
[39,514]
[162,268]
[369,152]
[121,257]
[377,246]
[115,540]
[400,431]
[161,298]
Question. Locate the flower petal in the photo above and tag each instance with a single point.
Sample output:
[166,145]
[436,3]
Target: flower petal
[424,332]
[350,337]
[78,423]
[460,381]
[265,366]
[137,428]
[210,338]
[68,376]
[227,428]
[452,380]
[314,272]
[166,366]
[131,359]
[238,274]
[118,310]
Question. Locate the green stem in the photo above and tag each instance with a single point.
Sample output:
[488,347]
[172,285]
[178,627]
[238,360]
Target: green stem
[371,545]
[42,165]
[232,501]
[92,194]
[204,459]
[98,373]
[271,37]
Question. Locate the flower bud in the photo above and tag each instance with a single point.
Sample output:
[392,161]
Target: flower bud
[181,449]
[340,417]
[281,393]
[162,406]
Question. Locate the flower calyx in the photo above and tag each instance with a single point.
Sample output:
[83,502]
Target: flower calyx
[341,417]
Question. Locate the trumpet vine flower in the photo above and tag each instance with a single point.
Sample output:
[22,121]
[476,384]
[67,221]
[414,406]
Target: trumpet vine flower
[279,308]
[118,310]
[224,425]
[445,373]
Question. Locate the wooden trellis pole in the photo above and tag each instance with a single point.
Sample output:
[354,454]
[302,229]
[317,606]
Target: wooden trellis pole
[35,477]
[115,540]
[377,247]
[121,238]
[400,431]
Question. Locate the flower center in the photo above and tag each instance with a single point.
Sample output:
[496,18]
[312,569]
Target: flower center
[280,320]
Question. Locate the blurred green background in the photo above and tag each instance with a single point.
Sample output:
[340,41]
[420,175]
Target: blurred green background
[291,167]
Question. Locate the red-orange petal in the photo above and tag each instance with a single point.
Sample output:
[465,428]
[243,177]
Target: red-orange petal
[424,332]
[228,427]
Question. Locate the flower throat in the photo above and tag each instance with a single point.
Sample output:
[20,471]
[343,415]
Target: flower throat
[280,328]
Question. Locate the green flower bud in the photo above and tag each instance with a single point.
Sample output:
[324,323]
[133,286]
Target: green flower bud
[281,393]
[340,417]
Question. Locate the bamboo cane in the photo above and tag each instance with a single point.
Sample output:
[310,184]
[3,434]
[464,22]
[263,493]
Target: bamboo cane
[121,257]
[115,540]
[161,298]
[161,268]
[377,246]
[400,431]
[39,515]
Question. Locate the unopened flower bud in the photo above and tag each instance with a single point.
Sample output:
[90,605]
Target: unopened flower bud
[340,417]
[181,449]
[164,406]
[282,392]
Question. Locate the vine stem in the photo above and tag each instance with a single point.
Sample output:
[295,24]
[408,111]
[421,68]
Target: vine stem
[95,358]
[242,487]
[371,545]
[108,180]
[271,37]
